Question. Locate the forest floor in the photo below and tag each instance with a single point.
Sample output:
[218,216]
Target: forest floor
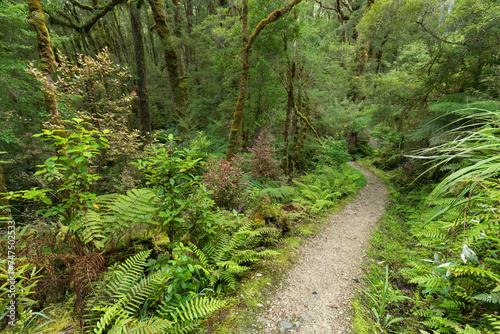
[315,297]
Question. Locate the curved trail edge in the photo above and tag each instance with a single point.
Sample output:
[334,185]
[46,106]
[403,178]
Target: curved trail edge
[315,298]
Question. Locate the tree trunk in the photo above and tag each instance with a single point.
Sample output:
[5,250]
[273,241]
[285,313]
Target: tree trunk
[303,132]
[46,54]
[235,133]
[177,27]
[140,62]
[289,115]
[236,126]
[189,18]
[296,132]
[178,83]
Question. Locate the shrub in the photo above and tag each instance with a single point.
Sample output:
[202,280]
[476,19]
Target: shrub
[333,152]
[225,179]
[174,174]
[261,161]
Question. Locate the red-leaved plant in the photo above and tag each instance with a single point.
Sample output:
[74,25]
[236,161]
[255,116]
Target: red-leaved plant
[262,164]
[225,179]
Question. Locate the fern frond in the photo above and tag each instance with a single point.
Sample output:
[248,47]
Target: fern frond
[90,227]
[449,304]
[127,274]
[431,281]
[474,271]
[133,207]
[154,325]
[493,297]
[494,321]
[192,309]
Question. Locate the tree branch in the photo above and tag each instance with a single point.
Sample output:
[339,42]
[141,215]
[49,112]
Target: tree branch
[305,120]
[274,16]
[433,34]
[81,5]
[86,26]
[325,7]
[347,5]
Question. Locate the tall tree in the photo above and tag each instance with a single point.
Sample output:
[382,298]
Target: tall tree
[140,62]
[289,113]
[178,82]
[46,54]
[237,124]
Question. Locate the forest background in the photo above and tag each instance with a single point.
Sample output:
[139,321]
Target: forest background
[153,151]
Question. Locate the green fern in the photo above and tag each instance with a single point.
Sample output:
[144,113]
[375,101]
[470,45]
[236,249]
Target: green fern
[227,257]
[282,194]
[493,297]
[90,228]
[314,198]
[113,214]
[431,281]
[191,310]
[494,322]
[120,305]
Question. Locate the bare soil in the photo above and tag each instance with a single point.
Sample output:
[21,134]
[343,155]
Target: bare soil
[316,296]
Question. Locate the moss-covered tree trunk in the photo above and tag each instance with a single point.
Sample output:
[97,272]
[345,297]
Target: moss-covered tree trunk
[296,131]
[140,62]
[44,47]
[178,82]
[237,124]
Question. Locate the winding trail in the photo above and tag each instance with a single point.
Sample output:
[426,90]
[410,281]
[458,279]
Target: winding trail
[315,297]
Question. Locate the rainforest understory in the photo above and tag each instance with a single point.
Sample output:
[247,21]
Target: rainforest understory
[187,166]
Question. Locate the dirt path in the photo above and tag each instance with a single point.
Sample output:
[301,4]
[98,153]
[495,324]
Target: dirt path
[316,295]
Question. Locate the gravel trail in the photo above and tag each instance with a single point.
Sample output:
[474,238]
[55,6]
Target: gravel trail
[315,297]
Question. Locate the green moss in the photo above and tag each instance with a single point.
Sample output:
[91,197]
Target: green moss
[307,229]
[361,323]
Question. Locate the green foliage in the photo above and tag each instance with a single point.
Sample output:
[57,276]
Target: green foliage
[319,190]
[121,306]
[175,175]
[381,299]
[21,104]
[333,152]
[315,198]
[187,277]
[457,269]
[70,171]
[228,255]
[282,194]
[476,144]
[111,215]
[20,283]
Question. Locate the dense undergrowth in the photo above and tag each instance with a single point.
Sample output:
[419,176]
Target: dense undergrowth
[439,242]
[164,253]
